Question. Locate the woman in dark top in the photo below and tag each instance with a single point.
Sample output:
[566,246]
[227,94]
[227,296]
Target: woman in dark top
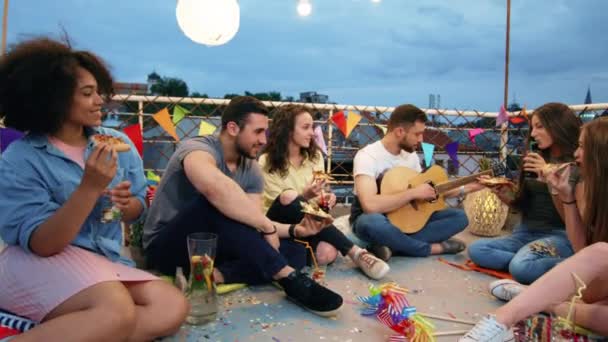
[540,241]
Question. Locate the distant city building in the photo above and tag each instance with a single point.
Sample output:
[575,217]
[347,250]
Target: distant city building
[153,79]
[434,101]
[127,88]
[588,97]
[584,115]
[313,97]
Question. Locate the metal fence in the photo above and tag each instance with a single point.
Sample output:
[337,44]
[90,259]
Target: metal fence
[502,144]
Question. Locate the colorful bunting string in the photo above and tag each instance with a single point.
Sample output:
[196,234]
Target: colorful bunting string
[351,122]
[134,133]
[164,120]
[427,150]
[179,113]
[383,128]
[320,139]
[475,132]
[7,136]
[502,116]
[452,150]
[206,128]
[340,121]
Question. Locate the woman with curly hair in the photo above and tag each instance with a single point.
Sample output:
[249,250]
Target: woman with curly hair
[288,163]
[62,266]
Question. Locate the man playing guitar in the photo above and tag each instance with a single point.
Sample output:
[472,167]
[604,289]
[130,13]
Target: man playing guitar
[368,214]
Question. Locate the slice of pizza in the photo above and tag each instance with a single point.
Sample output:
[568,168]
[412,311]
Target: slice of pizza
[496,181]
[551,168]
[314,210]
[116,143]
[320,175]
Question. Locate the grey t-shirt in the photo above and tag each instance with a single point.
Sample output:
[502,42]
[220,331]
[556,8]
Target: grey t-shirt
[176,194]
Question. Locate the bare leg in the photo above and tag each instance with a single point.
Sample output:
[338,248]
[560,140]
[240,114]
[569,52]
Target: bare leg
[592,316]
[103,312]
[160,309]
[557,285]
[325,253]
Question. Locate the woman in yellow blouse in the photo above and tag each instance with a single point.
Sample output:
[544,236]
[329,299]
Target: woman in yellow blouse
[288,163]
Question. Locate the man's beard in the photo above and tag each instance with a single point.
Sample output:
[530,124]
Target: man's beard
[407,148]
[244,152]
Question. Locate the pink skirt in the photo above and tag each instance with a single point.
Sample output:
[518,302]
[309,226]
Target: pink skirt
[31,286]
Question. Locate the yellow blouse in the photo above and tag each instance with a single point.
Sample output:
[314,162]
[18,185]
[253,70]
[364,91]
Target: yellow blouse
[295,179]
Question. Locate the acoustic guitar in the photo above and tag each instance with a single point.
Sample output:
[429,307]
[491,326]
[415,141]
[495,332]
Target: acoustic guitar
[413,216]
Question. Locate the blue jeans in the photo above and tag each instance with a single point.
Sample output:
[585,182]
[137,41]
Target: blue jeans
[527,254]
[377,229]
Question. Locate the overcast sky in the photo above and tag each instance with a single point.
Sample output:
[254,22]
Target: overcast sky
[355,51]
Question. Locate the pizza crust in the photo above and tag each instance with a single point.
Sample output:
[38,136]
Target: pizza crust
[320,175]
[314,210]
[116,143]
[495,181]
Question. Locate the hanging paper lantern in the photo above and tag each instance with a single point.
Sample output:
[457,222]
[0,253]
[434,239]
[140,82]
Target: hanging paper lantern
[208,22]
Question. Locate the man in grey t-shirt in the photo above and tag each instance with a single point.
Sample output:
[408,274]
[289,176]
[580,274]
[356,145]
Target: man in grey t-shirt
[213,184]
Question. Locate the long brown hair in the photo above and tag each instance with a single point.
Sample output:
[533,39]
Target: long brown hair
[564,127]
[282,126]
[595,176]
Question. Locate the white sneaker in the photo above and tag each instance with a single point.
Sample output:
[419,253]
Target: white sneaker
[505,289]
[371,265]
[488,330]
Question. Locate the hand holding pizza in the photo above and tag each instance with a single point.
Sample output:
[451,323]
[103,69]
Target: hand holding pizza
[99,169]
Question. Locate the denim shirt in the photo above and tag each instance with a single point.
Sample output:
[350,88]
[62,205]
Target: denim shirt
[36,179]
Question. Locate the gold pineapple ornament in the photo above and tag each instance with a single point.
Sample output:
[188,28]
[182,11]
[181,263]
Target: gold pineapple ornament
[486,212]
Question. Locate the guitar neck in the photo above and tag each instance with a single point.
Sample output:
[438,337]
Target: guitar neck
[447,186]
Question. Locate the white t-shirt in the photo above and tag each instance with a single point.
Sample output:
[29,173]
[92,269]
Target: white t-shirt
[373,160]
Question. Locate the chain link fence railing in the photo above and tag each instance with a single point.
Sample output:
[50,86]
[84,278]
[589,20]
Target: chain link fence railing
[503,144]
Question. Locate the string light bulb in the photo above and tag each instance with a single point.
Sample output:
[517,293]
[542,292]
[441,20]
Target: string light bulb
[208,22]
[304,8]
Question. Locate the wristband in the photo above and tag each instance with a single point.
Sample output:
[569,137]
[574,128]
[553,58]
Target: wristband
[272,232]
[292,231]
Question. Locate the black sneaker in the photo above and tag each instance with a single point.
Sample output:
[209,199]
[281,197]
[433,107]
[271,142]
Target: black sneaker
[382,252]
[305,292]
[453,246]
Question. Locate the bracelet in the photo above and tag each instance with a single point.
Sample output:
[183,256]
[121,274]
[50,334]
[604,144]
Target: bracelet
[292,231]
[272,232]
[461,194]
[571,202]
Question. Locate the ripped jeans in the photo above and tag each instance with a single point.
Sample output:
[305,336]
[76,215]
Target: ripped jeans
[527,254]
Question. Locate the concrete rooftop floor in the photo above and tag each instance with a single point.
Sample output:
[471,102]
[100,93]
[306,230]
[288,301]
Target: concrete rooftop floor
[262,313]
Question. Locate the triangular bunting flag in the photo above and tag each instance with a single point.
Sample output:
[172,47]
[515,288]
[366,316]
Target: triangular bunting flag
[383,128]
[164,120]
[206,128]
[340,121]
[351,122]
[517,120]
[428,150]
[502,116]
[320,139]
[134,133]
[7,136]
[179,113]
[452,150]
[475,132]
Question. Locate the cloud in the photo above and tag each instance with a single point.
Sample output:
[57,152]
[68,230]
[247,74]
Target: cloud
[354,51]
